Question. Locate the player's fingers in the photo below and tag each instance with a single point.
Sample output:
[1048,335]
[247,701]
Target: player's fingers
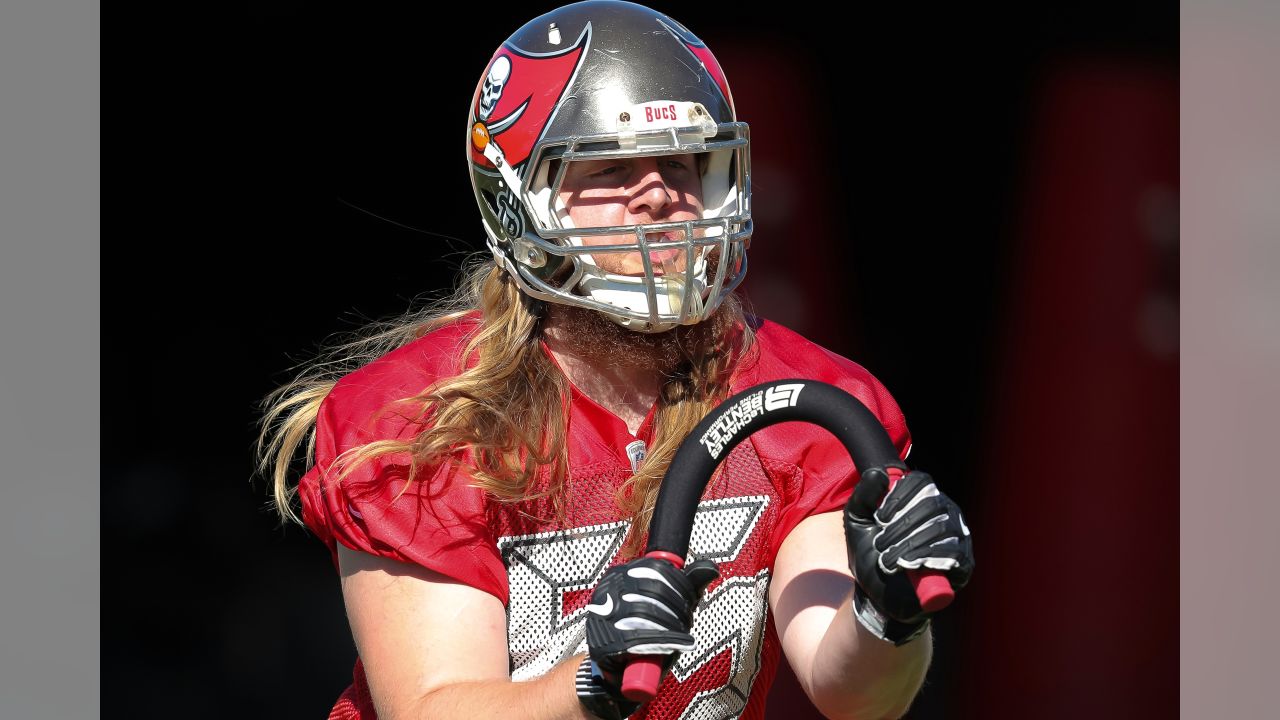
[701,573]
[655,593]
[922,516]
[912,488]
[643,616]
[661,571]
[665,644]
[952,556]
[936,530]
[867,494]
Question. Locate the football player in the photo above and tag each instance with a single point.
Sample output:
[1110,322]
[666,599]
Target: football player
[485,475]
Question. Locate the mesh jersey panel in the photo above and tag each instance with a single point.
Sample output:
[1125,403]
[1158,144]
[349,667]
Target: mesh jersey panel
[764,488]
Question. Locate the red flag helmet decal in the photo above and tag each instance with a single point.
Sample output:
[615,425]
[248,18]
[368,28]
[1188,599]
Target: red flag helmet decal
[515,101]
[703,53]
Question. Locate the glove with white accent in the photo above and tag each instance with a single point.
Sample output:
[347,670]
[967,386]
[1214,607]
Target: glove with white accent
[644,607]
[915,527]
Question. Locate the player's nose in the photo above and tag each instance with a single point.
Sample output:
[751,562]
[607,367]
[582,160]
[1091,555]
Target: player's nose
[650,191]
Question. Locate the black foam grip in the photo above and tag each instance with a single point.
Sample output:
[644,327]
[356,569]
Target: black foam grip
[734,420]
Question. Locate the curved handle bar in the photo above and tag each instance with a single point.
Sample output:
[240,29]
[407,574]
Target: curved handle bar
[722,430]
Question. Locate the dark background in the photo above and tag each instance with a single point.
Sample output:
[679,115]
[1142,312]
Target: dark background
[978,204]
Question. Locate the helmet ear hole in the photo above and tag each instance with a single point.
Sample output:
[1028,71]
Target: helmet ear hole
[553,168]
[562,274]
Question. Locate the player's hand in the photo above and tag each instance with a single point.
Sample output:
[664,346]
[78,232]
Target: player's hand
[915,527]
[644,607]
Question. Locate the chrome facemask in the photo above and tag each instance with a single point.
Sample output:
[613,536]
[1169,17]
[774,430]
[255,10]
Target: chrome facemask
[717,242]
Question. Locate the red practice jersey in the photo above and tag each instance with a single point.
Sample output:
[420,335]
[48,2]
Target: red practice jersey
[544,571]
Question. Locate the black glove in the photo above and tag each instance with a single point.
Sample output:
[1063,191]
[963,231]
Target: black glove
[644,607]
[916,527]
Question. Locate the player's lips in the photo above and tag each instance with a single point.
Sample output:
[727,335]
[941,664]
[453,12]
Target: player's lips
[663,257]
[666,252]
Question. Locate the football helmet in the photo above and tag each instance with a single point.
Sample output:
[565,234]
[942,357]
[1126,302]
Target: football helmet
[598,80]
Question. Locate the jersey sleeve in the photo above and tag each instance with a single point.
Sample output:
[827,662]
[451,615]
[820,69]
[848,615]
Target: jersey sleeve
[436,520]
[812,468]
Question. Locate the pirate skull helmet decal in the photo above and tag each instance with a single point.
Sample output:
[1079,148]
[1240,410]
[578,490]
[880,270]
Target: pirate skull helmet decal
[494,82]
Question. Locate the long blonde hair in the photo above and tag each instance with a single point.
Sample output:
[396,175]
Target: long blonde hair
[506,385]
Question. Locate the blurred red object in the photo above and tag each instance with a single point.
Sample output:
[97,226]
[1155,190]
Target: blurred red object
[1073,610]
